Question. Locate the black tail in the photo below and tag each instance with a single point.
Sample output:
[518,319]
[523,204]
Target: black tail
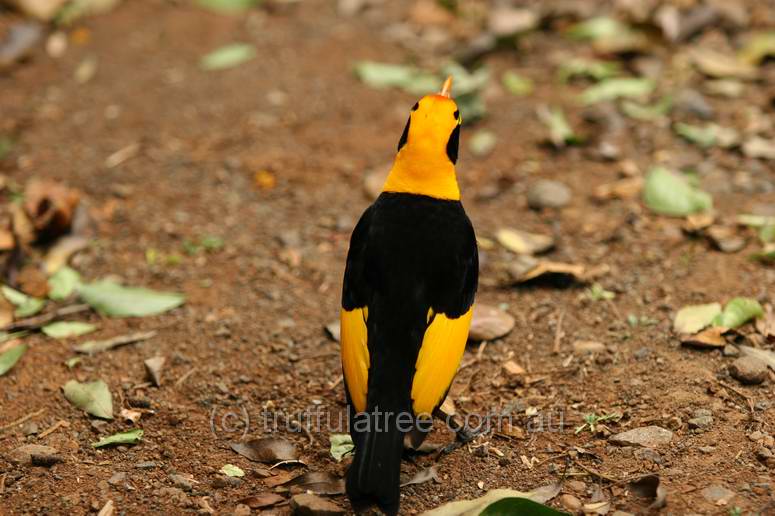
[374,475]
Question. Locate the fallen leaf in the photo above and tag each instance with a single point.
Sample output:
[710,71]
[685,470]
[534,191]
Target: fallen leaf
[516,84]
[63,283]
[711,338]
[766,325]
[230,470]
[61,252]
[318,482]
[341,446]
[476,506]
[482,143]
[593,68]
[116,300]
[522,270]
[693,318]
[667,193]
[130,416]
[228,56]
[708,135]
[408,78]
[523,242]
[267,449]
[423,476]
[227,6]
[716,64]
[519,506]
[67,329]
[758,47]
[93,397]
[154,366]
[25,305]
[757,147]
[489,323]
[726,239]
[50,206]
[9,357]
[560,131]
[625,189]
[737,312]
[600,27]
[129,437]
[262,500]
[597,507]
[96,346]
[654,111]
[617,87]
[766,356]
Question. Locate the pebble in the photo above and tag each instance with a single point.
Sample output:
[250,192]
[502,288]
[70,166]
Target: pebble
[242,510]
[756,436]
[694,103]
[641,353]
[577,486]
[548,194]
[489,323]
[221,482]
[182,482]
[145,465]
[24,454]
[30,428]
[748,370]
[507,21]
[647,437]
[311,505]
[717,494]
[730,351]
[649,454]
[117,478]
[700,422]
[570,502]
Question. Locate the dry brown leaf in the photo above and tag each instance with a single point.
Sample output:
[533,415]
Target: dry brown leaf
[262,500]
[283,477]
[766,325]
[726,239]
[6,312]
[318,482]
[59,254]
[154,366]
[719,65]
[50,206]
[33,281]
[523,242]
[697,222]
[707,339]
[625,189]
[267,449]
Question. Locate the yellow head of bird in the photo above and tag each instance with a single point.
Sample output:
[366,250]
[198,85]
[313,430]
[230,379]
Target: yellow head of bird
[433,128]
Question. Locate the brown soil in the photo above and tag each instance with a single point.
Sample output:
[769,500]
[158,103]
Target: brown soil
[251,333]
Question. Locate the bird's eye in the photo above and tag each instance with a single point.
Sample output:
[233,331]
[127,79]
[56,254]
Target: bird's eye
[416,106]
[456,114]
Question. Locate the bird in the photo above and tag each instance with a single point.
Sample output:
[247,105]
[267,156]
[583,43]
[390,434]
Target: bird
[410,281]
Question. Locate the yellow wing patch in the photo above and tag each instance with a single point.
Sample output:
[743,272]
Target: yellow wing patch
[438,360]
[355,354]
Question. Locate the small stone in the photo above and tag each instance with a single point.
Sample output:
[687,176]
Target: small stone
[311,505]
[117,479]
[577,486]
[756,436]
[641,353]
[508,21]
[489,323]
[242,510]
[584,347]
[548,194]
[717,494]
[647,437]
[701,422]
[730,351]
[512,368]
[24,454]
[622,513]
[649,454]
[570,502]
[30,428]
[748,370]
[222,482]
[183,482]
[145,465]
[707,449]
[694,103]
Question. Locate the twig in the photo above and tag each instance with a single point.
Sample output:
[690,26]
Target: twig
[22,420]
[97,346]
[2,483]
[56,426]
[598,474]
[185,377]
[336,382]
[747,399]
[33,323]
[558,334]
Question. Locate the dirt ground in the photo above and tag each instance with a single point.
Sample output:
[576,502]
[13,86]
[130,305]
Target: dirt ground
[251,334]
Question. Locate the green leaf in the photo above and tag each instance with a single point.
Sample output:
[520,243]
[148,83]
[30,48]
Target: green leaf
[482,142]
[737,312]
[767,234]
[693,318]
[227,6]
[9,357]
[67,329]
[597,293]
[211,243]
[521,506]
[516,84]
[115,300]
[669,194]
[228,56]
[702,136]
[72,362]
[92,397]
[638,111]
[560,131]
[408,78]
[62,283]
[230,470]
[755,221]
[601,27]
[611,89]
[25,305]
[6,146]
[129,437]
[592,68]
[341,446]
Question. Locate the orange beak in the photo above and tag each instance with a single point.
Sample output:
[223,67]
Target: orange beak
[446,89]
